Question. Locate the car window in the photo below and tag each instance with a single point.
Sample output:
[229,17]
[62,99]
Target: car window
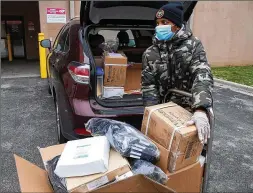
[57,37]
[66,46]
[112,34]
[146,33]
[131,39]
[63,41]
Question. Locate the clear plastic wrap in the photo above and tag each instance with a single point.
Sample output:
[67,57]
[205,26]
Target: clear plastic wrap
[124,138]
[110,46]
[58,184]
[148,169]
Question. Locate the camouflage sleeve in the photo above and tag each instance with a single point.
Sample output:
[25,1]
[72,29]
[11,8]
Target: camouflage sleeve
[202,79]
[150,93]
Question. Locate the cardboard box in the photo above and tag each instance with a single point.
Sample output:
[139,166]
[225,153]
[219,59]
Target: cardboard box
[115,67]
[99,61]
[179,145]
[188,179]
[109,92]
[133,77]
[117,167]
[84,157]
[34,179]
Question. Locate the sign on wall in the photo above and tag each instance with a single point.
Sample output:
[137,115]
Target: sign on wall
[56,15]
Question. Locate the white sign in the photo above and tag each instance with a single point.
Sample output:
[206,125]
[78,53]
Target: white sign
[56,15]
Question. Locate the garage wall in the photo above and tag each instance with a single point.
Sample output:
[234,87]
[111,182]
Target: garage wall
[51,29]
[224,27]
[226,30]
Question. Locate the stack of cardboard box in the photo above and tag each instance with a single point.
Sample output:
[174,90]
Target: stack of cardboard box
[179,145]
[95,167]
[115,67]
[117,178]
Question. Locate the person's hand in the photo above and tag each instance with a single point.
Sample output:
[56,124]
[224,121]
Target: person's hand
[201,122]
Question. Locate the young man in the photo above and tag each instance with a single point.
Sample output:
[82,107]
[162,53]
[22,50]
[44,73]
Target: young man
[178,60]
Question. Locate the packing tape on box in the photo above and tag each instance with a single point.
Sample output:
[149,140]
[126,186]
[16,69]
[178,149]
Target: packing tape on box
[174,128]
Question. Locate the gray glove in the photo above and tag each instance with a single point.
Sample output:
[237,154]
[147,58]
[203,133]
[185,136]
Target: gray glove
[201,122]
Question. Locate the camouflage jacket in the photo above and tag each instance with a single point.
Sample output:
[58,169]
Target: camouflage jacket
[180,63]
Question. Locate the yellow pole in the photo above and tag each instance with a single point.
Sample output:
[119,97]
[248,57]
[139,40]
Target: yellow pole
[42,51]
[9,46]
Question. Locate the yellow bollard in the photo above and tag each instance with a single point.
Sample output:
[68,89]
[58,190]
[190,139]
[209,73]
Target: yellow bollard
[9,47]
[42,51]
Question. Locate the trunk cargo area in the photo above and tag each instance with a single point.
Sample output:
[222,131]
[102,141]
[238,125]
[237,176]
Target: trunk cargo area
[118,75]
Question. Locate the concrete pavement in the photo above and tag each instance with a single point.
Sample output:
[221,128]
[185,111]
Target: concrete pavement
[20,68]
[28,121]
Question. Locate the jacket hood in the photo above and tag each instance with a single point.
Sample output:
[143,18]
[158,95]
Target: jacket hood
[183,34]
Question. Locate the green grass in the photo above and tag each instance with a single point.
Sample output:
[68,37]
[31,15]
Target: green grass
[238,74]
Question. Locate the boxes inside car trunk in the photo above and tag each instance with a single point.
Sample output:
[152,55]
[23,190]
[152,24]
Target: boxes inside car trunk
[133,77]
[179,145]
[115,66]
[132,81]
[34,179]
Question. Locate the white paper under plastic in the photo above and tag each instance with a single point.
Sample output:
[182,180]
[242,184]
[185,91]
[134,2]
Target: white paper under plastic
[84,157]
[110,92]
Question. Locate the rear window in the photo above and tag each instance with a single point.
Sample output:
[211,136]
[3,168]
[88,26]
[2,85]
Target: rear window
[112,34]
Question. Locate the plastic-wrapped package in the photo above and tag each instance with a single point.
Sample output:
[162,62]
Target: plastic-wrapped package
[58,184]
[124,138]
[110,45]
[149,170]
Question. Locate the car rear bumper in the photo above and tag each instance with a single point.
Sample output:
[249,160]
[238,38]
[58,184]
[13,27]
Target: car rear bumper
[83,110]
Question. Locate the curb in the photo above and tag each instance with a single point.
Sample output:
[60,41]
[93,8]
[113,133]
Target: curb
[20,76]
[233,84]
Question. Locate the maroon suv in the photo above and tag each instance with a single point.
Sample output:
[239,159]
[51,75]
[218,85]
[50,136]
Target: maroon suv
[76,53]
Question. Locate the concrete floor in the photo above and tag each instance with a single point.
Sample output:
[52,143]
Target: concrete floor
[28,121]
[19,68]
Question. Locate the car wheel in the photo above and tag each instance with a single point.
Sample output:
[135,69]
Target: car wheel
[61,138]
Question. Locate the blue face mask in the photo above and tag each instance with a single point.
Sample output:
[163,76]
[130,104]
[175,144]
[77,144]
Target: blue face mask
[163,32]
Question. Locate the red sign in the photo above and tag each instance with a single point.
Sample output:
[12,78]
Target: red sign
[56,11]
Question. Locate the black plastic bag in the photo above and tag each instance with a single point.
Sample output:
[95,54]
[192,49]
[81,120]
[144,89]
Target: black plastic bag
[124,138]
[148,169]
[58,184]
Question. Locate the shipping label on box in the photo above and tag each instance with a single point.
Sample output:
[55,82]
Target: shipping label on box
[165,125]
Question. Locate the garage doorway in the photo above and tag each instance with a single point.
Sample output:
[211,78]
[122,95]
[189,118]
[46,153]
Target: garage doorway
[20,19]
[14,25]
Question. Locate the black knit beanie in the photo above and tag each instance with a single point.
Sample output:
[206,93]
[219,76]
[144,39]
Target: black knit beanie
[172,11]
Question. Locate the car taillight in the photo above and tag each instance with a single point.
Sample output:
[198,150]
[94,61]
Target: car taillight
[79,72]
[82,131]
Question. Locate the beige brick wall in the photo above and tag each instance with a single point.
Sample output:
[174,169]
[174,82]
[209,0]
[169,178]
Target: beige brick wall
[226,30]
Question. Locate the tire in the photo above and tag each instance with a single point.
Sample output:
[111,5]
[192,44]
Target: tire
[61,138]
